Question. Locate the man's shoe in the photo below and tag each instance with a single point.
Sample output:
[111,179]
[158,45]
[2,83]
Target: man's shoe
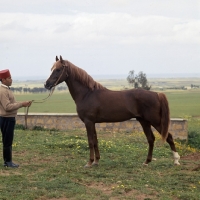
[11,164]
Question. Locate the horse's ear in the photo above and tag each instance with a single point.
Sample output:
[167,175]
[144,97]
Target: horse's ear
[57,58]
[61,59]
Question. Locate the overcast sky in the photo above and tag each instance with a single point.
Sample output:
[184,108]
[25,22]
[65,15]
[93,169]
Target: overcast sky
[101,36]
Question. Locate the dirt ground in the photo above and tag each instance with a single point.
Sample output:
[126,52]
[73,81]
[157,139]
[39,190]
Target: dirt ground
[192,160]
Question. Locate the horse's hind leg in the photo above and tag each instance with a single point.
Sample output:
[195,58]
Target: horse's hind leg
[150,138]
[170,141]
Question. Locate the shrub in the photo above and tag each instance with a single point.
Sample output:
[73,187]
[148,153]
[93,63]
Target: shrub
[19,127]
[194,139]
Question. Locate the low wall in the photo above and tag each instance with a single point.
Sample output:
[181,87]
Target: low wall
[178,127]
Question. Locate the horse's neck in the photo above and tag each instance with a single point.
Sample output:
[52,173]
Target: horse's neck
[76,89]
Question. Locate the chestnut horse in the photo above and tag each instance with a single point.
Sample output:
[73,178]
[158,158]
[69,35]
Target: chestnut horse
[97,104]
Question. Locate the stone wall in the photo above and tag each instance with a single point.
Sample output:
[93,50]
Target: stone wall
[178,127]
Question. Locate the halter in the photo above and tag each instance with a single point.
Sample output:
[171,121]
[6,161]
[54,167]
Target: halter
[64,66]
[26,109]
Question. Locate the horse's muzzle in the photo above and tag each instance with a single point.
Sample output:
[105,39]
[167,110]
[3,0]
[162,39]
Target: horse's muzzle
[48,86]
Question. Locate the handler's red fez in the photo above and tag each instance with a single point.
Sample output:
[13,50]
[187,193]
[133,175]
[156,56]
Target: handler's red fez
[5,73]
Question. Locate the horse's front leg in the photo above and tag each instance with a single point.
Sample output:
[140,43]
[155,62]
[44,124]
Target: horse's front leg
[96,149]
[92,142]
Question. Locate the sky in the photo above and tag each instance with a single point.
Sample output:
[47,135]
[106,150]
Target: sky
[103,37]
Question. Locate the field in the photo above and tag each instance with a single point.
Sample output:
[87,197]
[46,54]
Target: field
[52,162]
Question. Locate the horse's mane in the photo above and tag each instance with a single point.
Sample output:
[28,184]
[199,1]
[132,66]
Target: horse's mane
[82,76]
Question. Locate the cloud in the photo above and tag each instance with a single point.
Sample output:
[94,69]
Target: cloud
[85,28]
[107,36]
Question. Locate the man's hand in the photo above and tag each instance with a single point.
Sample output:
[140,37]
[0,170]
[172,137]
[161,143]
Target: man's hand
[26,103]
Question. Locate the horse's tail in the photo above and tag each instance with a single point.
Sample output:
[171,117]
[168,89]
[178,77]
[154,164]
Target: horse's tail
[165,115]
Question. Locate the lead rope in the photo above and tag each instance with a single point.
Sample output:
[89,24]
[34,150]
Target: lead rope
[45,99]
[26,109]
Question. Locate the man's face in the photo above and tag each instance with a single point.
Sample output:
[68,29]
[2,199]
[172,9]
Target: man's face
[7,81]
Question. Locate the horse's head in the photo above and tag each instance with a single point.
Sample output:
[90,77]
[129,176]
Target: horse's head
[58,75]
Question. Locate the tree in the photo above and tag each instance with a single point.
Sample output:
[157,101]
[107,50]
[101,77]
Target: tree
[131,78]
[138,81]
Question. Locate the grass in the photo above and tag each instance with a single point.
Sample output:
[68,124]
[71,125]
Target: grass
[57,103]
[51,167]
[184,103]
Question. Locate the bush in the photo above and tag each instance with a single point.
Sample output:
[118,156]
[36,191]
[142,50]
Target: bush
[194,133]
[194,139]
[38,128]
[19,127]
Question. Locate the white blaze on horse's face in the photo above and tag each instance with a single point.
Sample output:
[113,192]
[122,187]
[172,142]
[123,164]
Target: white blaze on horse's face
[54,78]
[56,70]
[57,65]
[52,69]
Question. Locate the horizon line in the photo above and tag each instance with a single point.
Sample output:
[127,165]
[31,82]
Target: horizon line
[114,76]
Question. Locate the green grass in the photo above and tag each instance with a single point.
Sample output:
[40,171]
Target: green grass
[51,167]
[184,103]
[57,103]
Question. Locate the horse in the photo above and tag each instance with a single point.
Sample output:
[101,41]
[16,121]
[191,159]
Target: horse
[97,104]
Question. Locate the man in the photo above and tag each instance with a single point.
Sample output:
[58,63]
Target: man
[8,112]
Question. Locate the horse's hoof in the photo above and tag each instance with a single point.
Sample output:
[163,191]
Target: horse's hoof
[176,158]
[177,163]
[95,164]
[145,164]
[154,159]
[87,166]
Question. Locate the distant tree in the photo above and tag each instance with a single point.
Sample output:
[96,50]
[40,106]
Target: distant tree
[131,78]
[60,88]
[194,86]
[142,79]
[25,90]
[12,89]
[138,81]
